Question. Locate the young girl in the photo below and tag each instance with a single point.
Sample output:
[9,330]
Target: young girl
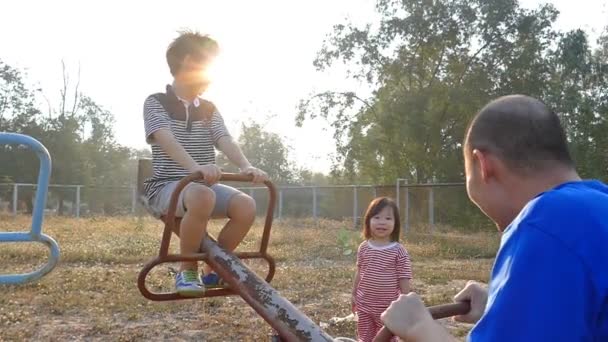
[383,267]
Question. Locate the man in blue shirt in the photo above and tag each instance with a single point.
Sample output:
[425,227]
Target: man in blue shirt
[550,278]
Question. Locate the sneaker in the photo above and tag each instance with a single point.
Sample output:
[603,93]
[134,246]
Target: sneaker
[212,280]
[188,284]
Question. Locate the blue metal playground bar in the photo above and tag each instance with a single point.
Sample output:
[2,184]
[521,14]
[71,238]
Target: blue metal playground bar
[35,233]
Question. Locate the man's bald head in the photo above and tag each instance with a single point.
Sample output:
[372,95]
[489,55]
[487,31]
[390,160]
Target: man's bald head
[522,132]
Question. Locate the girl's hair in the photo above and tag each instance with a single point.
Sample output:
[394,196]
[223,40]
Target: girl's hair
[374,208]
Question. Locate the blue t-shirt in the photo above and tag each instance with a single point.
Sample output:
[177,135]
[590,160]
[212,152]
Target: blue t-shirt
[550,277]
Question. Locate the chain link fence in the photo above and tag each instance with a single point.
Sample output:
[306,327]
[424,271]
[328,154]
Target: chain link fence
[422,206]
[69,200]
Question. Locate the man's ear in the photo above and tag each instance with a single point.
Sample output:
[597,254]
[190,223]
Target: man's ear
[484,163]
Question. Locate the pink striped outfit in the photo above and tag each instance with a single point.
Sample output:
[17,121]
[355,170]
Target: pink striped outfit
[380,268]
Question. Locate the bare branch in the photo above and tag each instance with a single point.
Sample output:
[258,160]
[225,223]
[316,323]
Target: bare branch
[65,88]
[76,95]
[439,62]
[341,93]
[48,103]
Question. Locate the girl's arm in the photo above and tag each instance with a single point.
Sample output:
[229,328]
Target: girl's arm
[404,285]
[355,286]
[404,271]
[361,262]
[356,282]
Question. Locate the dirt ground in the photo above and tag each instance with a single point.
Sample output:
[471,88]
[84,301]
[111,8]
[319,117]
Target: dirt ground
[92,294]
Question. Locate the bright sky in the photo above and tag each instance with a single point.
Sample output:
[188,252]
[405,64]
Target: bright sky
[264,69]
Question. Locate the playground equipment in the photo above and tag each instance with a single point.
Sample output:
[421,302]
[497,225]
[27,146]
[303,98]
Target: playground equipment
[35,234]
[284,317]
[289,323]
[172,226]
[437,312]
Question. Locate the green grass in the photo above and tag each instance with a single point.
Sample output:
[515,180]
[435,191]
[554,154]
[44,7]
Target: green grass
[92,294]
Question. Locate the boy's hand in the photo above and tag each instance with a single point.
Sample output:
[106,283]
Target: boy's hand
[353,304]
[259,176]
[478,296]
[211,173]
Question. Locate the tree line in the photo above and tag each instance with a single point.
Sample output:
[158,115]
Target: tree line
[428,67]
[79,134]
[431,65]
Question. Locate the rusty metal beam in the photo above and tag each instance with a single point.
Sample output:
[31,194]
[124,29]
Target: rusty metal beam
[284,317]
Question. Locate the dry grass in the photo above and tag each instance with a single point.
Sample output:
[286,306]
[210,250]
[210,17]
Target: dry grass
[92,294]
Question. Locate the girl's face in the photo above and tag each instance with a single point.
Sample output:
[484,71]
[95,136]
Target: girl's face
[382,224]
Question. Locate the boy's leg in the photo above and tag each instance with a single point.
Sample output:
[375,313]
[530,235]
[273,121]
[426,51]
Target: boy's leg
[240,209]
[194,206]
[199,202]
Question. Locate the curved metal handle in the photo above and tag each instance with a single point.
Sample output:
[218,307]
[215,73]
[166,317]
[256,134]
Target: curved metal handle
[35,233]
[42,271]
[437,312]
[143,274]
[165,296]
[229,177]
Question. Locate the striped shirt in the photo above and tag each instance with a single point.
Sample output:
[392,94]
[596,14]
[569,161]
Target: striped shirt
[197,127]
[380,269]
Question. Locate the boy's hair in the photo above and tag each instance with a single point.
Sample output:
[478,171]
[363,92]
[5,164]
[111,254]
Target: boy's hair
[374,208]
[191,43]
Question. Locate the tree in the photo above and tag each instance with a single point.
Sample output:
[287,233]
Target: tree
[80,137]
[78,134]
[18,113]
[307,177]
[578,93]
[264,150]
[430,66]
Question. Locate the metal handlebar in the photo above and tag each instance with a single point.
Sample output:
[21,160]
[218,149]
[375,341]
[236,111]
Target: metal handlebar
[35,233]
[437,312]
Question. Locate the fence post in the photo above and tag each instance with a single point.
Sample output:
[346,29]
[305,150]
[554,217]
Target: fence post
[407,207]
[280,211]
[78,200]
[376,193]
[355,204]
[15,198]
[397,192]
[314,203]
[431,209]
[133,199]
